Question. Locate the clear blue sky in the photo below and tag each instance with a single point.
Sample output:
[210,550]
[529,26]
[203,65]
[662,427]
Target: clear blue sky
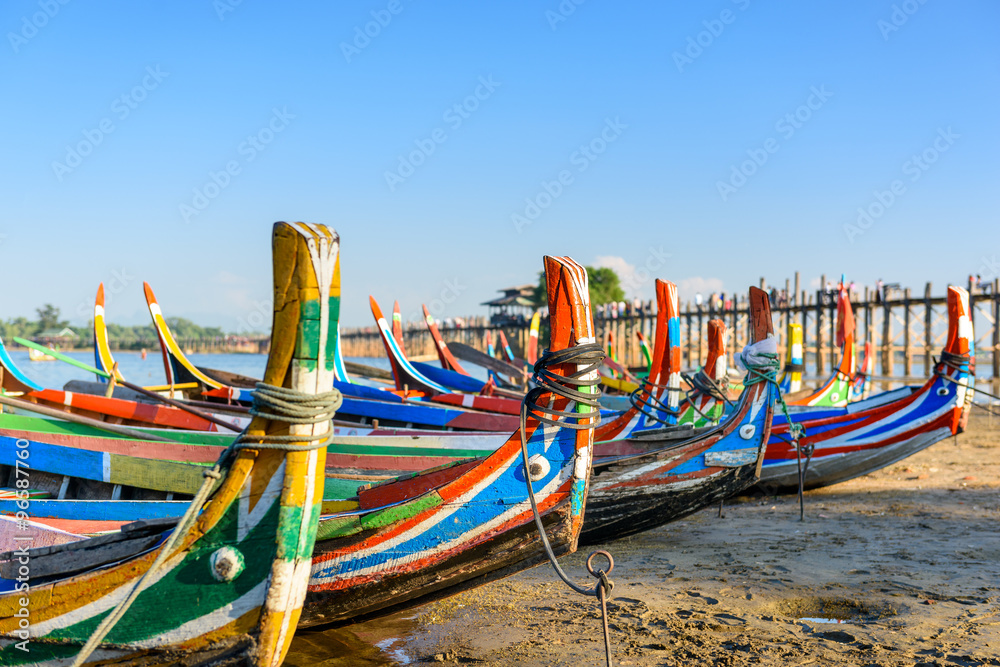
[340,112]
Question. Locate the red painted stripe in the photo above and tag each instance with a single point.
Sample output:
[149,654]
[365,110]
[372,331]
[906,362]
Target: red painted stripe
[161,415]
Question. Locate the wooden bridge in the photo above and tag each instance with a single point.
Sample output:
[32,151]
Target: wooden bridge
[906,331]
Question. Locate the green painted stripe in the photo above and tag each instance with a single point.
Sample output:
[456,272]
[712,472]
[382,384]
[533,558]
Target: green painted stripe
[55,426]
[189,591]
[338,527]
[400,512]
[340,489]
[382,450]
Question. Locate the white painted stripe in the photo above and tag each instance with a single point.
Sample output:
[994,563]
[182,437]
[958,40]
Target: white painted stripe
[68,398]
[212,621]
[106,467]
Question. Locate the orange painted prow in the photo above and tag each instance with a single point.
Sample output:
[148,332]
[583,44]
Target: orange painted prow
[715,363]
[845,332]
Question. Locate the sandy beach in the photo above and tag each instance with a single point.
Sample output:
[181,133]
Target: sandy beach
[899,567]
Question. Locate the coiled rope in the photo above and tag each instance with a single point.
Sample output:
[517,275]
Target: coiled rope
[588,357]
[643,397]
[269,402]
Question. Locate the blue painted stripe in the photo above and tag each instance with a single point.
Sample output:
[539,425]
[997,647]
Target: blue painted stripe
[488,502]
[99,510]
[54,459]
[450,379]
[11,367]
[403,362]
[339,367]
[364,391]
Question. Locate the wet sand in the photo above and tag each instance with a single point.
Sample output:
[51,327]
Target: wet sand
[908,559]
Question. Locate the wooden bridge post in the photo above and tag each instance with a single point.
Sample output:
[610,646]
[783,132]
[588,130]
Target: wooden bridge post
[886,337]
[819,329]
[928,325]
[734,333]
[996,332]
[907,351]
[834,361]
[689,363]
[700,336]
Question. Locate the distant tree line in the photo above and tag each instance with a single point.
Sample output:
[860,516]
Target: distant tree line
[125,337]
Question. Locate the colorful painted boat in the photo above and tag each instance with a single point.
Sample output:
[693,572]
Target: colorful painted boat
[415,381]
[361,403]
[640,491]
[103,359]
[99,407]
[467,524]
[791,379]
[886,428]
[836,391]
[861,385]
[226,584]
[531,354]
[38,355]
[447,359]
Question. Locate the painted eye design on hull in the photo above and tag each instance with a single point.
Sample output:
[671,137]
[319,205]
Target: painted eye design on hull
[226,564]
[538,467]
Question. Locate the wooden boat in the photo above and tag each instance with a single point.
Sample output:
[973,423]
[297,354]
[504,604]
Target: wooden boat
[475,524]
[639,482]
[225,585]
[361,403]
[103,359]
[645,481]
[397,326]
[644,346]
[861,384]
[38,355]
[791,379]
[447,359]
[886,428]
[410,540]
[415,380]
[642,490]
[99,407]
[531,355]
[835,392]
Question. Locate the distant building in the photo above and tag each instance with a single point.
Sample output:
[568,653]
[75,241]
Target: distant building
[59,337]
[514,307]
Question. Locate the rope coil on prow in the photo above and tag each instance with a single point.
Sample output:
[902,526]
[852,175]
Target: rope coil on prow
[644,397]
[760,360]
[588,358]
[269,402]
